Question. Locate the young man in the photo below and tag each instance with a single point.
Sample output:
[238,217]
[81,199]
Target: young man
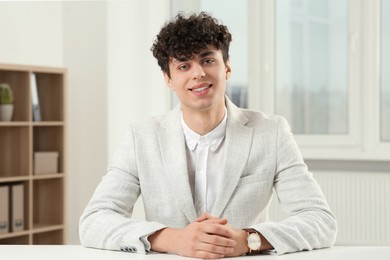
[206,171]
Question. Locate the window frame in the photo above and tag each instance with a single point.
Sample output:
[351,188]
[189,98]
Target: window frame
[363,138]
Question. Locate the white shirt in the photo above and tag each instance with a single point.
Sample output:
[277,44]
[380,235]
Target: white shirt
[204,161]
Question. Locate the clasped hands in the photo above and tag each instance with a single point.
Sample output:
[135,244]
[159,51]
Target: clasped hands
[207,237]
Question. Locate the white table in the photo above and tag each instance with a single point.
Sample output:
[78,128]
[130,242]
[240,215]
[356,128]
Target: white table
[67,252]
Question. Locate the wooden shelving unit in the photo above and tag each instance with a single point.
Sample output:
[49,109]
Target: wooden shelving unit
[44,195]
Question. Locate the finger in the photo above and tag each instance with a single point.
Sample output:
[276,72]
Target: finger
[215,249]
[208,218]
[222,221]
[218,240]
[204,216]
[216,229]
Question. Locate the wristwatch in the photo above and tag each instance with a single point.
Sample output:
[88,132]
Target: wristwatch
[254,241]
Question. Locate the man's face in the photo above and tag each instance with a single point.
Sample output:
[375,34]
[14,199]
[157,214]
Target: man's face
[199,82]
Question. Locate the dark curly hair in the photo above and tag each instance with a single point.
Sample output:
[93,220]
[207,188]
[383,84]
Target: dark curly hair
[182,37]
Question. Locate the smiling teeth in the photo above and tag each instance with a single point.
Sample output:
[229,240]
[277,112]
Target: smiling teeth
[201,89]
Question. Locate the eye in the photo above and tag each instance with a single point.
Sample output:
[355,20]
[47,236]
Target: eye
[183,67]
[208,61]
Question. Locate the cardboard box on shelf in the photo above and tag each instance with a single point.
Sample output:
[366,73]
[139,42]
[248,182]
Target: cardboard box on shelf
[45,162]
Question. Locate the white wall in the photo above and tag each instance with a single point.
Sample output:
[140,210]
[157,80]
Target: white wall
[31,33]
[85,56]
[136,85]
[113,78]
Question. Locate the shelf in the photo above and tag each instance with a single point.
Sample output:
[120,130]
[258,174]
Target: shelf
[48,201]
[48,238]
[50,138]
[23,123]
[48,176]
[14,179]
[53,123]
[51,95]
[40,228]
[15,240]
[14,150]
[14,123]
[43,200]
[19,82]
[14,234]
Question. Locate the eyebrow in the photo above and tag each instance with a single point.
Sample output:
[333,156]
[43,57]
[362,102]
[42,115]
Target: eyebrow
[206,53]
[202,54]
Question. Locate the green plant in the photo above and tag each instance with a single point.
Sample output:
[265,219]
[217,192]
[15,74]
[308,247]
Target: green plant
[6,95]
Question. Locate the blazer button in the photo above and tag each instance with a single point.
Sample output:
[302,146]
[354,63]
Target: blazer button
[131,249]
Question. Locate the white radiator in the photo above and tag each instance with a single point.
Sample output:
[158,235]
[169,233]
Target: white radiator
[361,203]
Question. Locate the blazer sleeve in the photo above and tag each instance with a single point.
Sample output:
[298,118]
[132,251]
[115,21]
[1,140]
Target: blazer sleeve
[310,223]
[107,222]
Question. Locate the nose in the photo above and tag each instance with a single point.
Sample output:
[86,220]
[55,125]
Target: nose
[198,72]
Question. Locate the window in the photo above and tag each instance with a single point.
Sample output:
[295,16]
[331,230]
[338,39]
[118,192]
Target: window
[312,65]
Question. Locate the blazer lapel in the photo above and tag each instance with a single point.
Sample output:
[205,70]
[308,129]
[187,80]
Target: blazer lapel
[172,147]
[237,147]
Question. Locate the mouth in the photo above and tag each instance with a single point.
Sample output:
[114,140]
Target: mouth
[199,89]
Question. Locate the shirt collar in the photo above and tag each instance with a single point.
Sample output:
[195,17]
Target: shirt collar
[213,139]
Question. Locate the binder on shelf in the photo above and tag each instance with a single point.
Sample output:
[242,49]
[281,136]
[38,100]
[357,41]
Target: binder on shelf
[4,209]
[17,207]
[36,110]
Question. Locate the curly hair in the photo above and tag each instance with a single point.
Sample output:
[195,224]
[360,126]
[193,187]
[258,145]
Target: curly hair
[182,37]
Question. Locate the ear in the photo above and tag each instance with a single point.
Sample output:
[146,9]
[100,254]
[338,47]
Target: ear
[228,69]
[168,81]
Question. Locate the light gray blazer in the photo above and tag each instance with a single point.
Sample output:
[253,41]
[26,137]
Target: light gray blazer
[260,155]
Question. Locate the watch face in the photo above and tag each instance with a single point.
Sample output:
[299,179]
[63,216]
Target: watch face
[254,241]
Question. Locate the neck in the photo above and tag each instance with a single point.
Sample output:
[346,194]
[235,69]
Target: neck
[203,122]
